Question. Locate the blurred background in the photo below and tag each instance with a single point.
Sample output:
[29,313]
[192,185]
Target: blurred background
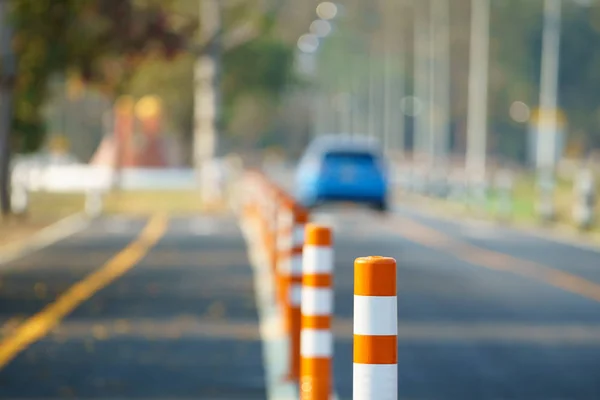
[446,85]
[486,110]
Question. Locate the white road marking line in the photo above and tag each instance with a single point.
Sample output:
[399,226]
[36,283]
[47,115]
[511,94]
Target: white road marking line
[45,237]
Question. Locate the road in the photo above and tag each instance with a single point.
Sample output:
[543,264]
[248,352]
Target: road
[180,324]
[484,312]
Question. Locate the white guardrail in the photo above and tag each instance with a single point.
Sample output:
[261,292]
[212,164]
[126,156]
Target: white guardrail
[86,178]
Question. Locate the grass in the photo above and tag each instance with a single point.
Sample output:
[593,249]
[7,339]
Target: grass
[523,206]
[144,202]
[525,197]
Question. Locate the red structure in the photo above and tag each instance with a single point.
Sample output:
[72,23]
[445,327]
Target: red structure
[136,142]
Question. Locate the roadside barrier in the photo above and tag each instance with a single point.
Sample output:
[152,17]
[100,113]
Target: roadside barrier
[375,329]
[290,270]
[300,255]
[285,223]
[316,343]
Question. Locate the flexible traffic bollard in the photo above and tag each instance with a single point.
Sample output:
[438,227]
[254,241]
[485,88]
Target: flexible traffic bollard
[585,199]
[292,288]
[269,223]
[252,201]
[265,223]
[316,342]
[278,201]
[285,222]
[375,374]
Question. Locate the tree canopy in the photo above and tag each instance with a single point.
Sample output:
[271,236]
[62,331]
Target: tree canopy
[137,47]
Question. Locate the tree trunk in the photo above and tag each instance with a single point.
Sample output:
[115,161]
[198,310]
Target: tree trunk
[207,96]
[7,74]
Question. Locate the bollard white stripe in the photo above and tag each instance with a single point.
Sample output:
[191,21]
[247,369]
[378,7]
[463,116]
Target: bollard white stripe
[317,259]
[284,218]
[316,343]
[375,315]
[298,235]
[373,381]
[296,265]
[283,242]
[284,266]
[316,301]
[296,294]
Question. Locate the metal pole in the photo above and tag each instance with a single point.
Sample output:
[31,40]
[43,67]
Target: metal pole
[372,82]
[421,77]
[393,83]
[546,147]
[547,135]
[399,95]
[387,97]
[7,77]
[207,98]
[441,115]
[478,88]
[433,81]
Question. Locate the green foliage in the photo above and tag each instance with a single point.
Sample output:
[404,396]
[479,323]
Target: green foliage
[39,28]
[101,41]
[260,66]
[129,46]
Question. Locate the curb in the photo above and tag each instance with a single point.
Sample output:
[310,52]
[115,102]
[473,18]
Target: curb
[44,237]
[275,346]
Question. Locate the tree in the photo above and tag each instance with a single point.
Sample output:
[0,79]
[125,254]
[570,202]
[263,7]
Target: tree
[102,41]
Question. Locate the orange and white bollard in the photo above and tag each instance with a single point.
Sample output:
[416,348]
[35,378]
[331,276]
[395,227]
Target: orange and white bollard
[316,342]
[269,210]
[375,372]
[285,223]
[292,287]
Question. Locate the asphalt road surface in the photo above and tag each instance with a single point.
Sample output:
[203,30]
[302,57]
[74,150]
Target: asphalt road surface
[484,313]
[180,324]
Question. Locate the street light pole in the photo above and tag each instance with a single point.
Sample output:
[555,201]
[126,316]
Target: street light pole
[421,77]
[478,88]
[393,80]
[371,93]
[440,33]
[387,94]
[547,132]
[207,96]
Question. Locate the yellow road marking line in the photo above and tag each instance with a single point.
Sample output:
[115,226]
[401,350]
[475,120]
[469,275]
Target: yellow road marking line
[490,259]
[41,323]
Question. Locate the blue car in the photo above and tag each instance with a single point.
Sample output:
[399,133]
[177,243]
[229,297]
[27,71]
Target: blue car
[338,168]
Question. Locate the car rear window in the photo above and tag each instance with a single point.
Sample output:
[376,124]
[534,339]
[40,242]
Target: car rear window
[349,158]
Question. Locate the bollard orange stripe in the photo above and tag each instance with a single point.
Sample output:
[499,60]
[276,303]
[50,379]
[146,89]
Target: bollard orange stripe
[296,251]
[316,322]
[315,378]
[296,278]
[300,216]
[375,349]
[375,276]
[317,280]
[317,235]
[292,326]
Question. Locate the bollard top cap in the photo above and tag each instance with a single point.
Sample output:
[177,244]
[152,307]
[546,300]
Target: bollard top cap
[318,235]
[375,276]
[375,260]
